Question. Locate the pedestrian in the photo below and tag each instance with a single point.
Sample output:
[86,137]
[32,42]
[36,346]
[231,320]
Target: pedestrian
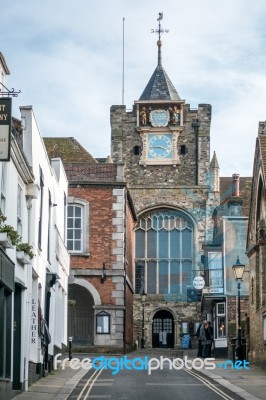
[212,339]
[199,354]
[206,339]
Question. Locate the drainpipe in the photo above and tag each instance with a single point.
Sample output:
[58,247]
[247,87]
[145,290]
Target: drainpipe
[196,125]
[28,301]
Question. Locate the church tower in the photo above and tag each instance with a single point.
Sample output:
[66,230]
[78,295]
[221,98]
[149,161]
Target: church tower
[164,146]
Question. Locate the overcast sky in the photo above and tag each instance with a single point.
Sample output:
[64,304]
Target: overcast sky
[66,58]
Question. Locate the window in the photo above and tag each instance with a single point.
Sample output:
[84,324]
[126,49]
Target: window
[19,210]
[40,210]
[3,188]
[136,150]
[220,326]
[189,328]
[164,251]
[252,291]
[184,328]
[215,269]
[103,322]
[77,226]
[264,327]
[183,149]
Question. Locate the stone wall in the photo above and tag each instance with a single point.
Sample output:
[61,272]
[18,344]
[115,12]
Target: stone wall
[125,137]
[257,309]
[182,312]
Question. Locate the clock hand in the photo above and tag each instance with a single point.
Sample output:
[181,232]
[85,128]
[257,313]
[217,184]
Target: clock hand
[158,147]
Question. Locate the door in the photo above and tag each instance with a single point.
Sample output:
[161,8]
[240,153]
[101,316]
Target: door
[163,330]
[17,339]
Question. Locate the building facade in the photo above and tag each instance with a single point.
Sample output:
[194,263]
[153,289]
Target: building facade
[100,240]
[219,296]
[256,240]
[164,146]
[34,259]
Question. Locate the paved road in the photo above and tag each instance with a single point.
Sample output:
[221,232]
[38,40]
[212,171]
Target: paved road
[138,385]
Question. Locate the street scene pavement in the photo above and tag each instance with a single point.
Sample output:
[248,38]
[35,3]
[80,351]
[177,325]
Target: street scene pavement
[165,384]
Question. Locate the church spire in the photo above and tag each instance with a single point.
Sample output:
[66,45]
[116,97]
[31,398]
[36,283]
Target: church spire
[159,86]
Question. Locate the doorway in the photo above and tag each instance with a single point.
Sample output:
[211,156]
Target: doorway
[163,330]
[80,315]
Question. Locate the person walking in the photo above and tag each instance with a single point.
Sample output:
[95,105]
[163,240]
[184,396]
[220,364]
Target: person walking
[206,339]
[199,354]
[212,339]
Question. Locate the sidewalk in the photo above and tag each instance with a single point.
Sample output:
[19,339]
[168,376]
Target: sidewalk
[248,384]
[56,386]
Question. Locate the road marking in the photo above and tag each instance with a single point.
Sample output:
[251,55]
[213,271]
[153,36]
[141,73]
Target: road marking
[209,385]
[103,383]
[173,384]
[92,383]
[88,382]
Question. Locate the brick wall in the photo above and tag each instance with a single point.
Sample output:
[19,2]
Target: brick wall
[100,201]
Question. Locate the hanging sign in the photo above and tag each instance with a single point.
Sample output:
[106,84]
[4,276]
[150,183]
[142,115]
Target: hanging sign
[198,282]
[5,128]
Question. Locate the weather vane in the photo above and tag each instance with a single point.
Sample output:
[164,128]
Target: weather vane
[160,31]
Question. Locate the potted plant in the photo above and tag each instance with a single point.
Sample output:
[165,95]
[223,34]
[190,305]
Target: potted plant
[8,235]
[25,248]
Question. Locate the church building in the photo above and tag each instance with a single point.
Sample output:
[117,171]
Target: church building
[164,145]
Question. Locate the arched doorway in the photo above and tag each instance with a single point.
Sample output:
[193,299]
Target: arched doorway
[163,329]
[80,315]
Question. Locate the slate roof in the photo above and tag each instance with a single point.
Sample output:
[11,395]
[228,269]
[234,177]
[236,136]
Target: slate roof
[160,87]
[244,192]
[68,149]
[214,161]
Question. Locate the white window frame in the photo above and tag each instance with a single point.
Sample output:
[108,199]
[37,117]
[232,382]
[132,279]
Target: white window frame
[212,255]
[3,187]
[217,307]
[19,210]
[84,205]
[217,318]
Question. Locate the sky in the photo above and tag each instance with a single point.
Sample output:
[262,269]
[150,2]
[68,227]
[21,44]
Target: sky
[66,58]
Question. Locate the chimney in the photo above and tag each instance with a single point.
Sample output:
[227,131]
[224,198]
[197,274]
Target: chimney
[235,185]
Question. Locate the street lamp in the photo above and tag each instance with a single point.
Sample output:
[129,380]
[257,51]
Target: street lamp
[238,269]
[143,298]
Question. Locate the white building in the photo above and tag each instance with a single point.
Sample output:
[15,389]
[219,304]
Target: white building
[33,299]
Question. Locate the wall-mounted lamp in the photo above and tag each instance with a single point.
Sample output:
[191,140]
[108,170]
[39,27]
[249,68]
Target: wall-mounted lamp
[103,276]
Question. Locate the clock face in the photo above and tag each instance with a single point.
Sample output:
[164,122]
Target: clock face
[160,146]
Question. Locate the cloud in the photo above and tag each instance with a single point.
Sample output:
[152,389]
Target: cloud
[66,57]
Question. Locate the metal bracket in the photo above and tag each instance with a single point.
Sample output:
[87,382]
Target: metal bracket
[7,92]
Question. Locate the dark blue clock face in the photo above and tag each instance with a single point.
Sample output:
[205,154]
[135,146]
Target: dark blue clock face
[160,146]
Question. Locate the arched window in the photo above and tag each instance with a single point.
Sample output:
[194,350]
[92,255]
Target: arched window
[164,253]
